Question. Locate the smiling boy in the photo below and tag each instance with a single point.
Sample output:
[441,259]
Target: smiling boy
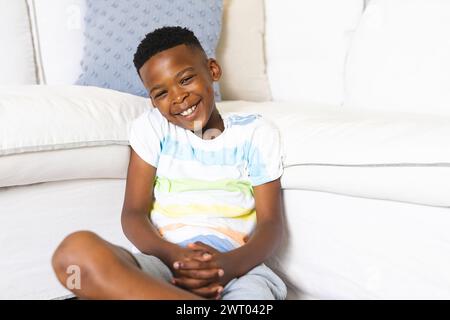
[202,200]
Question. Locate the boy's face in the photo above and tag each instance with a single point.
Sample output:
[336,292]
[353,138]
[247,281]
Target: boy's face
[179,81]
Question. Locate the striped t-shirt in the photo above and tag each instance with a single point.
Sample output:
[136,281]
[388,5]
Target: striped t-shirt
[203,189]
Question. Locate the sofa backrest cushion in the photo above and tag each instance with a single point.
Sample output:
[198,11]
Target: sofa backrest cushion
[400,58]
[306,46]
[17,64]
[241,51]
[58,30]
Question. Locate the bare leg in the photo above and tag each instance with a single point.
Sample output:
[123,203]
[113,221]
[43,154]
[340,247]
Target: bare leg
[108,271]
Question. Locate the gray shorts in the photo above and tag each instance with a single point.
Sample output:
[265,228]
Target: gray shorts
[260,283]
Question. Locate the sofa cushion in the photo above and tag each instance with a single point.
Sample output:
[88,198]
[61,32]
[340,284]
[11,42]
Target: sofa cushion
[425,184]
[17,55]
[306,45]
[241,52]
[108,162]
[361,153]
[399,59]
[51,119]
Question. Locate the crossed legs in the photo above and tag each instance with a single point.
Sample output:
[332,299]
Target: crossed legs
[107,271]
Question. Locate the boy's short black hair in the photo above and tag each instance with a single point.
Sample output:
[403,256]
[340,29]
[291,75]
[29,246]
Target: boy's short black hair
[162,39]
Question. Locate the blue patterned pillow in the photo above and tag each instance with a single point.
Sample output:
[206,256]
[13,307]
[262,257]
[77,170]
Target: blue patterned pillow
[114,29]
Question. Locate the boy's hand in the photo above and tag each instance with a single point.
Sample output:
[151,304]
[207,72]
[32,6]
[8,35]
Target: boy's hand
[205,283]
[205,272]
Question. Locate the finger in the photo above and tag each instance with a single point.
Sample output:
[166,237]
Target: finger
[211,291]
[199,258]
[219,295]
[195,247]
[189,283]
[212,274]
[205,256]
[198,255]
[194,264]
[198,245]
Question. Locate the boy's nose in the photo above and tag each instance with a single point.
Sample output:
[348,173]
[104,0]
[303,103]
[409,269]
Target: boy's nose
[179,96]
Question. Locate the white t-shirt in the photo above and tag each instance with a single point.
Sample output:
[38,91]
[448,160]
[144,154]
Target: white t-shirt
[204,188]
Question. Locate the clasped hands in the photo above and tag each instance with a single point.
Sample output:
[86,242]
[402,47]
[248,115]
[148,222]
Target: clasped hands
[201,269]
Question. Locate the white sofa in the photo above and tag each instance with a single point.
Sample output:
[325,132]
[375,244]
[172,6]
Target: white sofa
[360,92]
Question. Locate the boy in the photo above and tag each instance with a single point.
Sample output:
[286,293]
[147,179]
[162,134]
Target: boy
[215,202]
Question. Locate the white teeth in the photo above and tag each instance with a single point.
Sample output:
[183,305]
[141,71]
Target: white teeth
[188,111]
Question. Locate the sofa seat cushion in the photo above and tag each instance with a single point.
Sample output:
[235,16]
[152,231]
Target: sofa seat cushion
[402,157]
[108,162]
[420,184]
[50,133]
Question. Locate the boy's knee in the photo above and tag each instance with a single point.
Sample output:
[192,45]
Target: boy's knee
[75,249]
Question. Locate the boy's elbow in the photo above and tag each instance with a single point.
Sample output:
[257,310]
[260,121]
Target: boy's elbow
[126,219]
[132,219]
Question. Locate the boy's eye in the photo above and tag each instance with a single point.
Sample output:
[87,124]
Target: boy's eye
[160,94]
[186,80]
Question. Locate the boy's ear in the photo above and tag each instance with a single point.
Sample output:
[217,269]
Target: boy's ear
[214,69]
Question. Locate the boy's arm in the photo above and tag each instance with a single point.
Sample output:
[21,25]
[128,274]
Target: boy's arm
[267,235]
[135,218]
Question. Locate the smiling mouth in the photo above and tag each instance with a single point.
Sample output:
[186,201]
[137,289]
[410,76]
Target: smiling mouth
[189,113]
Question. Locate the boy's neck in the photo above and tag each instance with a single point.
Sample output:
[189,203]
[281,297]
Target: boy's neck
[215,123]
